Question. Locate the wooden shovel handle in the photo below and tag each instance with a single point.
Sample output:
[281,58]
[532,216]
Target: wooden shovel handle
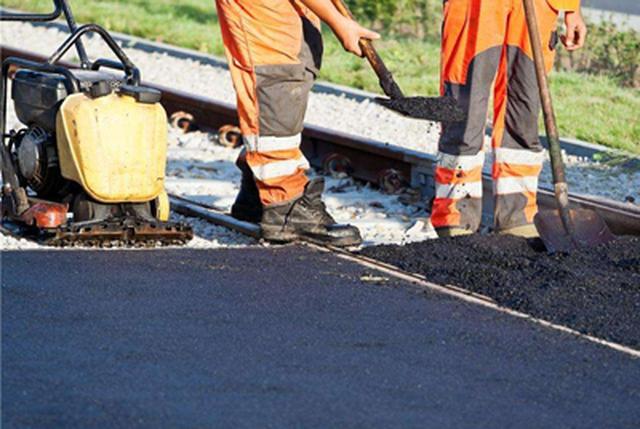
[387,82]
[550,123]
[545,93]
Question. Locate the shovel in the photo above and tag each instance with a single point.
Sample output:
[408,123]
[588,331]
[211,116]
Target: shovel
[564,229]
[439,109]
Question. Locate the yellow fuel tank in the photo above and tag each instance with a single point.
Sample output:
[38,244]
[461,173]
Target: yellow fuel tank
[114,146]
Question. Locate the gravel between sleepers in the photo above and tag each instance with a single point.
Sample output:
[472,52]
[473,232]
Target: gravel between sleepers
[595,291]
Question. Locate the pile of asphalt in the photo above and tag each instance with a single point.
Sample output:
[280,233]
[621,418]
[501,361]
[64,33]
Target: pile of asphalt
[595,291]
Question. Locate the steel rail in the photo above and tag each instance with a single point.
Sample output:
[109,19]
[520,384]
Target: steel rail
[213,215]
[371,160]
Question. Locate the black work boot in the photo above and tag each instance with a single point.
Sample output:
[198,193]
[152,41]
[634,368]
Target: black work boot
[306,218]
[247,206]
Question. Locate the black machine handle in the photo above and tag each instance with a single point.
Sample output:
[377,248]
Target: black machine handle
[61,8]
[131,71]
[114,65]
[34,17]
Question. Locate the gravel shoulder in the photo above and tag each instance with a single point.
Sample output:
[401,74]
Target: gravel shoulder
[595,291]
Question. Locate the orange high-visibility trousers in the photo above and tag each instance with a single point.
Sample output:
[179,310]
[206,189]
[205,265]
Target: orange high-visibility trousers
[274,51]
[485,44]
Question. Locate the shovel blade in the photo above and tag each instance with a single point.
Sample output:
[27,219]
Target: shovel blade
[438,109]
[589,230]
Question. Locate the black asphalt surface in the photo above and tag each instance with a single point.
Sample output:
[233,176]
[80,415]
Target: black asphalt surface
[285,337]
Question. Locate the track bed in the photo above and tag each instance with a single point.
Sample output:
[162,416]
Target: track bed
[595,291]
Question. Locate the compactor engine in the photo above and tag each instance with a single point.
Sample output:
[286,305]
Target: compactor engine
[88,164]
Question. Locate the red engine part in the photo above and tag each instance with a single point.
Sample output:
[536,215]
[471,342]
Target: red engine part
[45,214]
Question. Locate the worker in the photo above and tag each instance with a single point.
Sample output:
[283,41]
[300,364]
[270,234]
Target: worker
[485,44]
[274,49]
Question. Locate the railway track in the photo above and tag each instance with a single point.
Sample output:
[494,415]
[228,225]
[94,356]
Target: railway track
[390,167]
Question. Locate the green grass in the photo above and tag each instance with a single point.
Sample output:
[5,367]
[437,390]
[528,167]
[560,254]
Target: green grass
[590,108]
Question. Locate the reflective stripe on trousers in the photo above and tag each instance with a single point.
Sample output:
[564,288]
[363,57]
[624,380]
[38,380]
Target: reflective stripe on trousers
[515,185]
[275,157]
[458,191]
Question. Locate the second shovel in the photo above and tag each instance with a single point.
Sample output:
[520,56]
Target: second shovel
[564,229]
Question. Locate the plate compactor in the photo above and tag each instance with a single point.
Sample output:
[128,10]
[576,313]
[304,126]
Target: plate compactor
[88,165]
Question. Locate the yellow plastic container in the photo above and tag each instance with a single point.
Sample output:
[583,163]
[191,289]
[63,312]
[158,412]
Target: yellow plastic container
[113,146]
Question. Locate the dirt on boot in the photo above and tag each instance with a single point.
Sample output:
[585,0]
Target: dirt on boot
[595,291]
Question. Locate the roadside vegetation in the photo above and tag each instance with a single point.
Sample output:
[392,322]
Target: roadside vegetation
[597,90]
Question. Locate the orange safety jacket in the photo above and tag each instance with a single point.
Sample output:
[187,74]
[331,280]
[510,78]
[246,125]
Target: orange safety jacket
[571,5]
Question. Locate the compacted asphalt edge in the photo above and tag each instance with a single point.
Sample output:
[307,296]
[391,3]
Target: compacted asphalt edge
[477,299]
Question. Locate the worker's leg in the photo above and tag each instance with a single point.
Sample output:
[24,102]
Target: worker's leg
[472,40]
[518,154]
[248,204]
[263,42]
[274,50]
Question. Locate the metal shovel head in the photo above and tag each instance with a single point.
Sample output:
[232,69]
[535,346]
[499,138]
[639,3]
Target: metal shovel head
[589,229]
[438,109]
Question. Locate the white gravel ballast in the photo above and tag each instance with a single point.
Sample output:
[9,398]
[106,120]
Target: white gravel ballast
[203,171]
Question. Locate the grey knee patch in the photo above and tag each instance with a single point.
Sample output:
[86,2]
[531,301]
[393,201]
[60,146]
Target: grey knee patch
[467,137]
[283,92]
[470,213]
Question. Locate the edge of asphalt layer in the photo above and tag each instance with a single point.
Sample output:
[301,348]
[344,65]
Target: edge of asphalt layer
[468,296]
[546,305]
[572,146]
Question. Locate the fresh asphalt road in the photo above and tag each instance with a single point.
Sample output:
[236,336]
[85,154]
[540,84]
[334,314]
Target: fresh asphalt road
[285,337]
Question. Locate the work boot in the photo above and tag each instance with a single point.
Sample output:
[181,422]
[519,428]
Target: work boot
[247,206]
[306,218]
